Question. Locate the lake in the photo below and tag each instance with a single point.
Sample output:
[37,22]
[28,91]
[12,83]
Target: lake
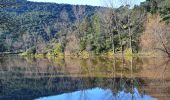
[98,78]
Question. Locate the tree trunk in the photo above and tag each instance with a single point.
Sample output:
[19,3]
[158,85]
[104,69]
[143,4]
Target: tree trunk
[129,32]
[113,45]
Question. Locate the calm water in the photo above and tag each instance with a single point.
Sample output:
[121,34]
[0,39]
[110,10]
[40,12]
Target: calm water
[90,79]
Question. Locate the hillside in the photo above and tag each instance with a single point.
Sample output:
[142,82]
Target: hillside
[57,29]
[35,23]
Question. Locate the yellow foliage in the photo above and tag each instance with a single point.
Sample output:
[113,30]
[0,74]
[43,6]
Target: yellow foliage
[26,54]
[110,54]
[60,55]
[128,52]
[23,54]
[39,56]
[84,54]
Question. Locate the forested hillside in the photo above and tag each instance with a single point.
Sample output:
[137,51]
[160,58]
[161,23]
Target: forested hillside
[27,24]
[57,29]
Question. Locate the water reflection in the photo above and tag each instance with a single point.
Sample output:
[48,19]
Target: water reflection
[28,89]
[99,94]
[27,78]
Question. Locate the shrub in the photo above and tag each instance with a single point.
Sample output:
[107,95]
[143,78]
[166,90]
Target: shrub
[84,54]
[128,52]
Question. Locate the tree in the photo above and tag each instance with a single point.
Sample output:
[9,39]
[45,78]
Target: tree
[84,28]
[79,12]
[127,22]
[153,6]
[7,24]
[133,21]
[165,10]
[156,36]
[107,21]
[161,33]
[96,33]
[6,21]
[7,3]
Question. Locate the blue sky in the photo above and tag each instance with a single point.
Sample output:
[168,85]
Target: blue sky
[86,2]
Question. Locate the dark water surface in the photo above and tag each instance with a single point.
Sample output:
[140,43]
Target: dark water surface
[84,79]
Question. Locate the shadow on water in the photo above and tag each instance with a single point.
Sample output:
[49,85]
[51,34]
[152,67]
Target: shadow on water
[85,79]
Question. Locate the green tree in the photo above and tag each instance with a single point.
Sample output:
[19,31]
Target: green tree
[97,34]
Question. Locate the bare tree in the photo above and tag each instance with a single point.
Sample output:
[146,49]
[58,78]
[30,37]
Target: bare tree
[107,20]
[116,20]
[111,22]
[126,20]
[156,36]
[79,12]
[135,18]
[162,35]
[64,15]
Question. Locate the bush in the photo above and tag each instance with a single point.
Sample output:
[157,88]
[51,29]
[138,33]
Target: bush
[110,54]
[57,51]
[31,51]
[128,52]
[84,54]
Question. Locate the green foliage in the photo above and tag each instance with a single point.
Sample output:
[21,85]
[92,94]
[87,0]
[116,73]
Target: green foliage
[45,28]
[151,6]
[30,52]
[34,23]
[164,4]
[2,46]
[160,6]
[98,44]
[57,51]
[165,10]
[166,18]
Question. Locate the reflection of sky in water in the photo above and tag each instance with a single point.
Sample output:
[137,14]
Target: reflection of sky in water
[98,94]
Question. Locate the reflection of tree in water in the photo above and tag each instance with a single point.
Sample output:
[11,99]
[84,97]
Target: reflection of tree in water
[116,84]
[44,77]
[95,67]
[38,87]
[123,84]
[104,67]
[160,79]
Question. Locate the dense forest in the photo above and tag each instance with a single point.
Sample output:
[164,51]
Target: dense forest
[62,29]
